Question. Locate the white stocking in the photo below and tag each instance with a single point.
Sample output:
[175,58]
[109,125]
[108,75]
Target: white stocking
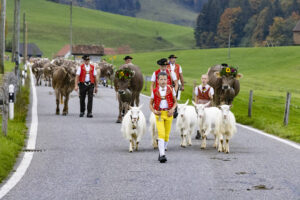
[166,145]
[161,147]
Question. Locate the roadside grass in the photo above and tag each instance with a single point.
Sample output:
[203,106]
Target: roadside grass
[269,72]
[12,144]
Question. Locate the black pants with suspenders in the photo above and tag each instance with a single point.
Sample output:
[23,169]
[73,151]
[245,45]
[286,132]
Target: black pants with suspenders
[86,88]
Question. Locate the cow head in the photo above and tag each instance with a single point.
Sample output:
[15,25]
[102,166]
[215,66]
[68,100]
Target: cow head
[181,108]
[200,109]
[124,77]
[228,75]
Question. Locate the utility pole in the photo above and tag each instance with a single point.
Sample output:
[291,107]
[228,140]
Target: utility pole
[2,35]
[24,38]
[229,38]
[71,8]
[16,32]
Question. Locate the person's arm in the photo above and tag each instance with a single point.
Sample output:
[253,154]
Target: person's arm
[76,82]
[96,85]
[176,85]
[152,86]
[156,112]
[171,111]
[182,81]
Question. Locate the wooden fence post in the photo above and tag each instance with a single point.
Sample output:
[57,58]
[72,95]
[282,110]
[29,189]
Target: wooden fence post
[287,109]
[250,103]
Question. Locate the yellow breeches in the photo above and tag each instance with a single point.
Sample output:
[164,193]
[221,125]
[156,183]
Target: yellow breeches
[163,124]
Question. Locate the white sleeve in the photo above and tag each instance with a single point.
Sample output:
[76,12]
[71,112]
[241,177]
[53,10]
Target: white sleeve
[152,95]
[95,71]
[174,93]
[196,91]
[78,71]
[211,91]
[180,70]
[173,76]
[153,78]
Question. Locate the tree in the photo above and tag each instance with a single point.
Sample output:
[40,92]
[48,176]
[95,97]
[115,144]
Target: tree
[228,21]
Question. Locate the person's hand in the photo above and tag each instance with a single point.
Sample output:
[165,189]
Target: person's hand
[96,90]
[171,112]
[76,88]
[156,112]
[182,88]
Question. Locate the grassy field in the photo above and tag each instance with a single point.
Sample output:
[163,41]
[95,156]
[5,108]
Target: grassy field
[12,144]
[48,27]
[269,72]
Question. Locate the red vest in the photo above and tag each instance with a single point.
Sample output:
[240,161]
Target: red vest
[176,70]
[158,98]
[169,78]
[203,95]
[83,73]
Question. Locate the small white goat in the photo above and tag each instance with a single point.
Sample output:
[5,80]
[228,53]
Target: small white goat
[186,123]
[209,121]
[134,127]
[153,130]
[228,128]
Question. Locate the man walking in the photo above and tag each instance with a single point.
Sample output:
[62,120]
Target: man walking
[87,82]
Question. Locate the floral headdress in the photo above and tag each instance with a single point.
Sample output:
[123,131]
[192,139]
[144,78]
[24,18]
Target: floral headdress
[228,70]
[125,73]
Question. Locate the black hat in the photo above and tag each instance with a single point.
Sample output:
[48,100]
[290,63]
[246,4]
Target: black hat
[85,57]
[127,57]
[162,61]
[172,56]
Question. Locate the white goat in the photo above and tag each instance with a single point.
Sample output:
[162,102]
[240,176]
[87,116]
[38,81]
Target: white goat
[200,112]
[186,123]
[134,127]
[211,123]
[153,130]
[228,128]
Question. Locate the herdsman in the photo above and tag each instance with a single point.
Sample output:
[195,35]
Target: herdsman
[162,104]
[86,79]
[176,68]
[203,94]
[171,76]
[128,60]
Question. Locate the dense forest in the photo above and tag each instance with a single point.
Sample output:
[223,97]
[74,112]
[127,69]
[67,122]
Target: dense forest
[248,22]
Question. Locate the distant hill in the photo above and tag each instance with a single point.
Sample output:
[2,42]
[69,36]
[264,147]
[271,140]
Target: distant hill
[48,27]
[181,12]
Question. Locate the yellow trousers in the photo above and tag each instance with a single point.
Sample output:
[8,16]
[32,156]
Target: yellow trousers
[163,124]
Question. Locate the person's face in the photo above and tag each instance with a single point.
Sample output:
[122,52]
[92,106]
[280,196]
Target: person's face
[162,81]
[204,79]
[163,67]
[86,62]
[172,60]
[128,61]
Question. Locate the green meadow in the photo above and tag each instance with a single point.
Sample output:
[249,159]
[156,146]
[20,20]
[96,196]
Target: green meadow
[48,27]
[269,72]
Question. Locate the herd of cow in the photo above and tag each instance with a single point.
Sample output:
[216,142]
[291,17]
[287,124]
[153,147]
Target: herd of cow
[60,74]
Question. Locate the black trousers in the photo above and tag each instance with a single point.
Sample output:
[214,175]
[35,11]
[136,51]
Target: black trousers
[83,91]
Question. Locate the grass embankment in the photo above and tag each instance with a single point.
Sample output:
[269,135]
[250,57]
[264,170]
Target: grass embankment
[48,27]
[12,144]
[269,72]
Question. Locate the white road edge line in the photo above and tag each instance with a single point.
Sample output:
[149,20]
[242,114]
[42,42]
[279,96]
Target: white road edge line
[26,160]
[290,143]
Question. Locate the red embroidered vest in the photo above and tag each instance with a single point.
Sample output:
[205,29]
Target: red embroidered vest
[158,98]
[203,95]
[169,78]
[83,73]
[176,70]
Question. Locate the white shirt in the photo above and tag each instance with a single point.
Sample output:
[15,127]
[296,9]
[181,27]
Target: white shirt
[173,75]
[162,91]
[173,70]
[211,91]
[87,68]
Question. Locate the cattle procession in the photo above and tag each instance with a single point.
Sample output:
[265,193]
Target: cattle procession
[209,113]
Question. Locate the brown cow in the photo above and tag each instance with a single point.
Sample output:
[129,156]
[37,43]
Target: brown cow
[107,72]
[63,83]
[123,86]
[226,86]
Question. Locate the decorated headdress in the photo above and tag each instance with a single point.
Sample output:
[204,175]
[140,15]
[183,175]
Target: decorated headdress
[228,70]
[124,74]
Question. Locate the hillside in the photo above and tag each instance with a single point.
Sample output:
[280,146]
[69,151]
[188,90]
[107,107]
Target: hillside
[48,25]
[269,72]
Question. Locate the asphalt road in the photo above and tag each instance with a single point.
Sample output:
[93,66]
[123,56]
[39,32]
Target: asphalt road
[85,158]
